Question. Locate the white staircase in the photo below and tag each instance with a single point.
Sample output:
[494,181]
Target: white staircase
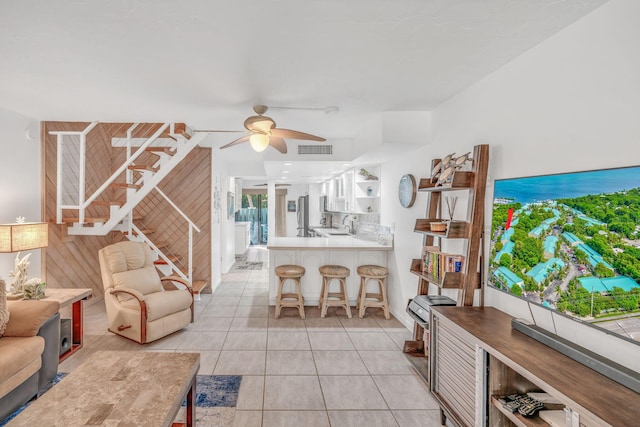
[170,143]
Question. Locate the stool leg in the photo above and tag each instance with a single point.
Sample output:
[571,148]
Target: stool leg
[279,298]
[362,297]
[300,300]
[321,293]
[325,293]
[343,288]
[385,302]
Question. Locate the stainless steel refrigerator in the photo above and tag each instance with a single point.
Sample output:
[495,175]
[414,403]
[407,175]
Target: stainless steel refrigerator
[303,216]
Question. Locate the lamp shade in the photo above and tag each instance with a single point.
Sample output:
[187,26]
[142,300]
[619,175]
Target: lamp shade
[22,237]
[259,141]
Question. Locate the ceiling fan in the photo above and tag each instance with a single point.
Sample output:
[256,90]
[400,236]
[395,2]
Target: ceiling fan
[263,133]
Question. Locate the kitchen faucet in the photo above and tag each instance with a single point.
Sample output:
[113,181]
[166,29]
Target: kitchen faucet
[350,228]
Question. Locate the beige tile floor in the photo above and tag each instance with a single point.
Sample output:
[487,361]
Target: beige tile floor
[315,372]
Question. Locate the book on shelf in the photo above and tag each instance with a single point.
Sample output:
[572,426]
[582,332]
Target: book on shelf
[436,263]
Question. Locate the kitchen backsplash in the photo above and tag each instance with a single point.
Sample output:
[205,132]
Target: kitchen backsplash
[366,223]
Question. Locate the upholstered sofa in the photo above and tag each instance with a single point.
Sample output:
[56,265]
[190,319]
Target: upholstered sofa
[29,352]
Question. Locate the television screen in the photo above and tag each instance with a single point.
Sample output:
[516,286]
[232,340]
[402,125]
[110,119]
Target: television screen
[571,242]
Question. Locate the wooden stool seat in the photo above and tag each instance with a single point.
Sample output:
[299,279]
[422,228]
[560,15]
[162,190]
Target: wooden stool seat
[340,299]
[373,271]
[373,299]
[289,271]
[289,299]
[334,271]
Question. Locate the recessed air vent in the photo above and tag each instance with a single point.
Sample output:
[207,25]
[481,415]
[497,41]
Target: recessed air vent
[315,149]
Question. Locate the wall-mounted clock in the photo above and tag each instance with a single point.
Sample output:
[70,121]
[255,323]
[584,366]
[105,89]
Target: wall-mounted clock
[407,191]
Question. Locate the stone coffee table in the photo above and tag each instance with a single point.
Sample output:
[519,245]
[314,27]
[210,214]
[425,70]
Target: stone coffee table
[119,388]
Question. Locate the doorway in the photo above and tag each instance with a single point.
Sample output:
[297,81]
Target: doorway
[254,210]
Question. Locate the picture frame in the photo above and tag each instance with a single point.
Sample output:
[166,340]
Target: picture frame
[231,205]
[291,206]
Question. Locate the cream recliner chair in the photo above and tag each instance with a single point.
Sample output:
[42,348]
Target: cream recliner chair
[138,305]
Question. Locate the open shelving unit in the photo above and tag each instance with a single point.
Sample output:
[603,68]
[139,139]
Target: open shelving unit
[367,201]
[467,281]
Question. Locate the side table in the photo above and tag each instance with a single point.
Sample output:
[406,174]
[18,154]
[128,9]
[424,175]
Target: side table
[73,297]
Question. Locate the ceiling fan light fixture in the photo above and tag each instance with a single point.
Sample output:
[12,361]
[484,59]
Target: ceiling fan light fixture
[259,142]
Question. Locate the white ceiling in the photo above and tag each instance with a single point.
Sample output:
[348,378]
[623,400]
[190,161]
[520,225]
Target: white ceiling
[207,62]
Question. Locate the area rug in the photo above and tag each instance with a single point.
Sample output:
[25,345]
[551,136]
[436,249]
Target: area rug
[249,265]
[216,398]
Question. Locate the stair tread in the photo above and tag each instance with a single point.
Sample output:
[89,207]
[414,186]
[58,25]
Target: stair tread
[124,185]
[199,285]
[106,203]
[144,231]
[172,258]
[87,220]
[142,168]
[161,150]
[161,245]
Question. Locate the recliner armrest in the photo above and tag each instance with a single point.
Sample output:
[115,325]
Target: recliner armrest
[134,293]
[179,280]
[27,316]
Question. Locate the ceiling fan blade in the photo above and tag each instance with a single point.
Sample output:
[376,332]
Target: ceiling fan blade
[236,142]
[278,144]
[263,126]
[294,134]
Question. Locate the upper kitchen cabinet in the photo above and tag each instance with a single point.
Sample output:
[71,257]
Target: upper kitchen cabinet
[354,191]
[344,192]
[367,189]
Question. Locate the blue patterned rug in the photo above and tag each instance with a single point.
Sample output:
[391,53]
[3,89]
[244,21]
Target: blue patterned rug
[217,390]
[216,396]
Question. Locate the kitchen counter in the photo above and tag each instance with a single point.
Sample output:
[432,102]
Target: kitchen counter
[333,242]
[313,252]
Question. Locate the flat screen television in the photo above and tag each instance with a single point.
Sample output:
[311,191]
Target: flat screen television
[571,242]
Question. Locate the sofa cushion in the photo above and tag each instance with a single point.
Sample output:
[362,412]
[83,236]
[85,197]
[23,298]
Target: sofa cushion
[4,313]
[20,358]
[28,315]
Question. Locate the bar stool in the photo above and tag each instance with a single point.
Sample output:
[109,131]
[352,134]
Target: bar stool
[379,274]
[293,299]
[340,299]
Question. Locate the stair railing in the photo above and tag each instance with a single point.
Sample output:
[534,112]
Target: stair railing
[82,202]
[192,227]
[133,230]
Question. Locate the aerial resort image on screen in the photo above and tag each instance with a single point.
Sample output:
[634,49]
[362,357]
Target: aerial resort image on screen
[571,242]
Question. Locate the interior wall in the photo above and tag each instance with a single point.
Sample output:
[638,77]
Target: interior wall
[569,104]
[401,284]
[20,182]
[223,226]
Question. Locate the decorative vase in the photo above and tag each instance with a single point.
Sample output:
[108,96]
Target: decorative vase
[369,191]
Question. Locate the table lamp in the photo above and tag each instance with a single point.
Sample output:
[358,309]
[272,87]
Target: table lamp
[22,236]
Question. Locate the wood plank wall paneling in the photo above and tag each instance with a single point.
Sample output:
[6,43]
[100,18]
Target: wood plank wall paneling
[73,263]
